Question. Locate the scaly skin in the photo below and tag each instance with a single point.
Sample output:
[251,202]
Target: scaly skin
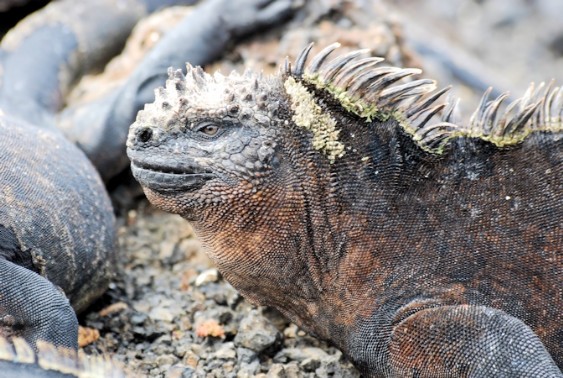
[57,228]
[57,234]
[420,249]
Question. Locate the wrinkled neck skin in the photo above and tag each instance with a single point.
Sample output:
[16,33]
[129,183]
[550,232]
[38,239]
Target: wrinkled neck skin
[270,252]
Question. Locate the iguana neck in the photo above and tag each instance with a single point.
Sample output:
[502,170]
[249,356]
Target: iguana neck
[274,255]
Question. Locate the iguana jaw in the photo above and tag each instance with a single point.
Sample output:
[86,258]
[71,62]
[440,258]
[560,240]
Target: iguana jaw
[169,178]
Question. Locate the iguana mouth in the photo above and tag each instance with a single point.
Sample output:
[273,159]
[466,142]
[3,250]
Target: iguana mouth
[168,178]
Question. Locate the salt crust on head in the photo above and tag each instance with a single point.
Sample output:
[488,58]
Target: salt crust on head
[248,98]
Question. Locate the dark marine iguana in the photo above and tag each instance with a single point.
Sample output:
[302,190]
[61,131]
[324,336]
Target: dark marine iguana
[419,247]
[57,234]
[18,359]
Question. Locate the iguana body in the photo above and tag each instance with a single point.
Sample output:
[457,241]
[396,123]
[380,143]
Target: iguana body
[57,228]
[419,249]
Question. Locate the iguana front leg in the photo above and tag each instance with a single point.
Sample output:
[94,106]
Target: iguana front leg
[33,308]
[467,341]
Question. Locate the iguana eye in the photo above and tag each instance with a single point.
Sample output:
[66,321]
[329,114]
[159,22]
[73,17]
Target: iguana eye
[209,129]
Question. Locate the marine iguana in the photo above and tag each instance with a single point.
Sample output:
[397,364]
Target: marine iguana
[367,214]
[19,360]
[57,234]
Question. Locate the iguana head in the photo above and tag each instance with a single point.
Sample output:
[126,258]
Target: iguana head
[206,140]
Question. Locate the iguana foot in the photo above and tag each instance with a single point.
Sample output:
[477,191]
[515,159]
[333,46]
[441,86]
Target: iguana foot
[467,341]
[33,308]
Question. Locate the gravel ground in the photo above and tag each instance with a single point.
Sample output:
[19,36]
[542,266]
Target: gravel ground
[169,313]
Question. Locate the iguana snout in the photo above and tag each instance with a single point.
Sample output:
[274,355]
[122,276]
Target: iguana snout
[173,174]
[166,163]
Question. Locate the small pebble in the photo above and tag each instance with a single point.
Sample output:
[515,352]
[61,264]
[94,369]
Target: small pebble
[210,275]
[226,352]
[166,359]
[257,333]
[276,371]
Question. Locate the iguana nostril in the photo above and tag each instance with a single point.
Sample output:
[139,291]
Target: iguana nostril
[144,135]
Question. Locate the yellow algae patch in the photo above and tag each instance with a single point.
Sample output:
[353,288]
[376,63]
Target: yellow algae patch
[309,115]
[362,109]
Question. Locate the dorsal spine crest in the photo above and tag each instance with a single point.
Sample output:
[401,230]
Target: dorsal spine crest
[361,88]
[371,93]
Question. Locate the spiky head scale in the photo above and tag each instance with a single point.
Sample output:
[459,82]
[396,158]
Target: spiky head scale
[248,98]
